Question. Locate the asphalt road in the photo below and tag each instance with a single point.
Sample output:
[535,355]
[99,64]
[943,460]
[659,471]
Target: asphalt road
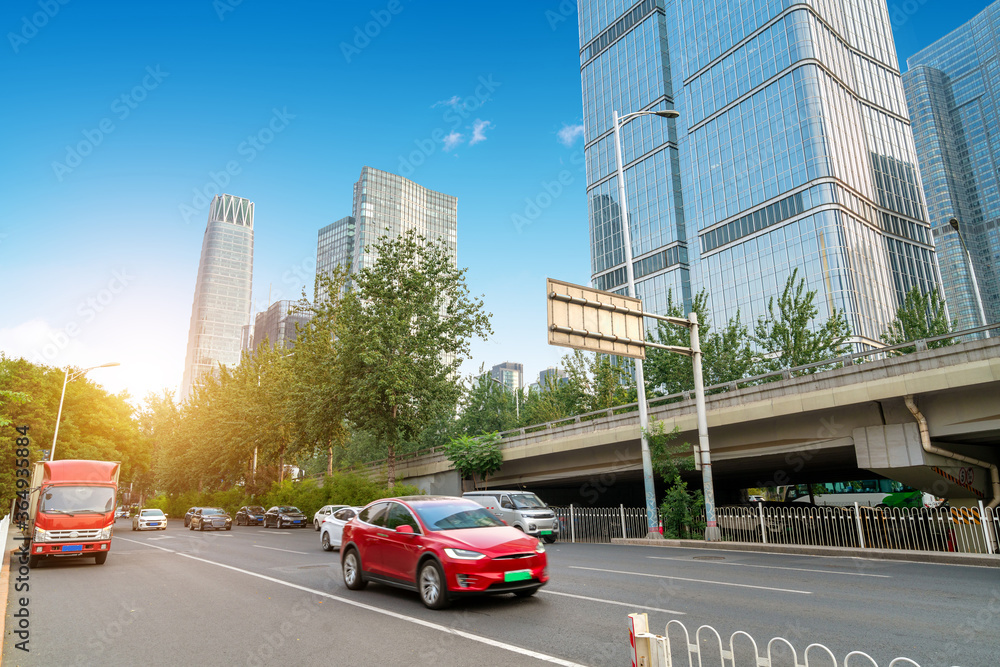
[255,596]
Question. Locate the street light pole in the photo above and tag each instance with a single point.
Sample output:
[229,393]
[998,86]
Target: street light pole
[647,461]
[66,380]
[972,270]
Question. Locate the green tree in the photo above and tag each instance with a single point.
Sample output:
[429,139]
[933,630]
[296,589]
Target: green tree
[726,354]
[597,381]
[476,456]
[787,335]
[8,436]
[404,330]
[921,315]
[681,510]
[486,406]
[555,400]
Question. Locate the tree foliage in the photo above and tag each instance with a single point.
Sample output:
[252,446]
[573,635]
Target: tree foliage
[919,316]
[486,406]
[476,456]
[788,335]
[403,332]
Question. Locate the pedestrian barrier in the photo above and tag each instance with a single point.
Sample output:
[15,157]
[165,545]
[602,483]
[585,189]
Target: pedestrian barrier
[971,530]
[600,524]
[4,527]
[674,648]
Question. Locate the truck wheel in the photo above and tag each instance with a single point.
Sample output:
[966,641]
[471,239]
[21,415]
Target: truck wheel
[101,558]
[34,561]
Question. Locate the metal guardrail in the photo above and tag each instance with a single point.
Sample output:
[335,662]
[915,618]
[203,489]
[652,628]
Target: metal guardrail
[600,524]
[851,359]
[674,648]
[953,529]
[4,529]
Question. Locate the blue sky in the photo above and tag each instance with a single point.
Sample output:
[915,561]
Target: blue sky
[123,119]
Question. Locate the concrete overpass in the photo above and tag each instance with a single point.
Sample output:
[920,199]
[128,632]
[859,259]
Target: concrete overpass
[834,425]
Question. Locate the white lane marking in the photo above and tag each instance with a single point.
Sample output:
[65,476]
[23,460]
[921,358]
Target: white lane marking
[697,581]
[273,532]
[161,537]
[620,604]
[776,567]
[147,544]
[287,551]
[402,617]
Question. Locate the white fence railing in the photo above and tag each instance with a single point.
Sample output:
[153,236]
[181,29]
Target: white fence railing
[674,648]
[954,529]
[4,528]
[962,530]
[600,524]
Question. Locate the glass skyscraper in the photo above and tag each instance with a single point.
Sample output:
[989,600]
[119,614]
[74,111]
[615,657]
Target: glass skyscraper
[277,325]
[792,151]
[386,204]
[953,93]
[222,292]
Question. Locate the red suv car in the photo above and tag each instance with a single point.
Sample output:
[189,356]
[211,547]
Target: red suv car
[441,547]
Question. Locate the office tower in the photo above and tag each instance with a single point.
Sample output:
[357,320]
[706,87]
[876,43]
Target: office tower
[335,247]
[222,292]
[277,325]
[953,93]
[509,374]
[387,204]
[792,151]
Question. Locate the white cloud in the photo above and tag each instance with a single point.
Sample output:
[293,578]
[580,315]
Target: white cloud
[479,128]
[453,140]
[569,134]
[452,102]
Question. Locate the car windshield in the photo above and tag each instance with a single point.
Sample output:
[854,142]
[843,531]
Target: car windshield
[526,501]
[454,516]
[78,499]
[211,510]
[289,510]
[151,513]
[256,509]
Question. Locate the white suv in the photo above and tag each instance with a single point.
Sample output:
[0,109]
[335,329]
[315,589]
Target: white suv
[521,509]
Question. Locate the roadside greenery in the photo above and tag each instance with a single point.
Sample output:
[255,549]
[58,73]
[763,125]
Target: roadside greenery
[476,456]
[919,316]
[681,510]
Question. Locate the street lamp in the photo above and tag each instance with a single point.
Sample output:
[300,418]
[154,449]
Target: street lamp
[66,380]
[702,455]
[972,270]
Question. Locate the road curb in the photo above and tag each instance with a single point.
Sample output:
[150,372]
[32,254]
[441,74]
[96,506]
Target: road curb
[944,558]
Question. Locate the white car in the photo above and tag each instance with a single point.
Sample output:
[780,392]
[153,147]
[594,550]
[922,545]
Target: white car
[323,512]
[149,519]
[332,529]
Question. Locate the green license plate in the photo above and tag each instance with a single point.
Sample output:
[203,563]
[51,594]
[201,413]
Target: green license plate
[546,532]
[517,575]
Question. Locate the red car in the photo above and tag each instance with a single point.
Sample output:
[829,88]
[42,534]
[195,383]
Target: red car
[441,547]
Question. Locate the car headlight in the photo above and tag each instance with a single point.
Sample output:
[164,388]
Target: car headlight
[539,548]
[41,535]
[105,534]
[464,554]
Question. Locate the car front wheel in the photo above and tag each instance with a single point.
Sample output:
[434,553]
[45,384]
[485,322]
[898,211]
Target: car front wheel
[353,578]
[324,542]
[430,582]
[549,539]
[279,524]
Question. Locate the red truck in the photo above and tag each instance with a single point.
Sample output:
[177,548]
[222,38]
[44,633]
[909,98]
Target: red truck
[72,509]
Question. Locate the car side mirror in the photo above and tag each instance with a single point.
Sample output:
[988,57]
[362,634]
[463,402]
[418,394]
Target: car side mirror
[165,514]
[404,529]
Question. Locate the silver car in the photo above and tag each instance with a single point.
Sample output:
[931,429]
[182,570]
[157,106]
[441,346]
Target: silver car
[521,509]
[331,531]
[149,520]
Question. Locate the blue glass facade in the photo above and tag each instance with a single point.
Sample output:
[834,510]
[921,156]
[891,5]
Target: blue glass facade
[793,151]
[953,92]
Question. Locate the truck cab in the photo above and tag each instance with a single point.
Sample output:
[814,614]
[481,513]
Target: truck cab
[72,509]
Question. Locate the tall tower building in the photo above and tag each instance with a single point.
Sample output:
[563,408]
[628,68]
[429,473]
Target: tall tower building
[792,151]
[510,375]
[953,93]
[386,205]
[334,247]
[222,292]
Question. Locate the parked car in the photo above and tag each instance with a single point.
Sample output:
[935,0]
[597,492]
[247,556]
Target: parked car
[323,512]
[332,529]
[522,510]
[215,518]
[442,547]
[121,513]
[188,515]
[756,499]
[285,515]
[149,518]
[250,515]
